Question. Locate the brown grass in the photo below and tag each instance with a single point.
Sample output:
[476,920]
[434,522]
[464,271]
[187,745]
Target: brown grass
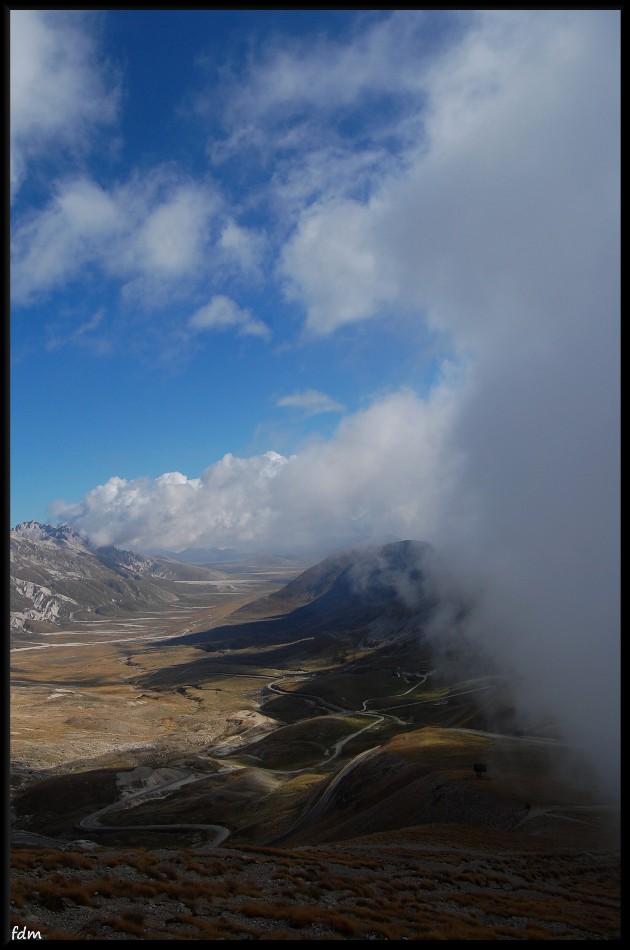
[390,901]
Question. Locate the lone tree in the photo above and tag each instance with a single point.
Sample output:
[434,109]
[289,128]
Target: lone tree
[480,768]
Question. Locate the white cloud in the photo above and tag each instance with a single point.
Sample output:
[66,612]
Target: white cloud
[334,268]
[386,469]
[326,117]
[51,247]
[227,503]
[159,236]
[153,234]
[242,246]
[171,238]
[323,75]
[492,216]
[59,91]
[326,174]
[310,400]
[222,313]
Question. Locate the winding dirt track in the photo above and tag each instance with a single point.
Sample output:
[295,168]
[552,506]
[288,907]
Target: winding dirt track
[92,822]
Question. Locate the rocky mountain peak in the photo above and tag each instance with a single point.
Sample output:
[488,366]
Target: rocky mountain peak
[62,535]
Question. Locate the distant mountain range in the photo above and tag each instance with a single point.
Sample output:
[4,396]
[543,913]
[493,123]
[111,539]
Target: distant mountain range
[57,575]
[240,561]
[381,594]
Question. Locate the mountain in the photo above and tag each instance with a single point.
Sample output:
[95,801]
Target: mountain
[378,575]
[57,575]
[363,594]
[361,611]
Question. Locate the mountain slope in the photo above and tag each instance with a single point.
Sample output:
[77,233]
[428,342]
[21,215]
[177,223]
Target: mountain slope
[57,576]
[373,574]
[370,593]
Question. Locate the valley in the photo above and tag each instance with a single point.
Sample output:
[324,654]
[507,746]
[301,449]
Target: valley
[265,762]
[73,697]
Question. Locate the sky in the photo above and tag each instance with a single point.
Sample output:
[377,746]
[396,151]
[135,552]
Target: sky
[287,280]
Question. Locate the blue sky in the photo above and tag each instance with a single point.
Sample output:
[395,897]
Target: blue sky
[285,280]
[244,232]
[109,367]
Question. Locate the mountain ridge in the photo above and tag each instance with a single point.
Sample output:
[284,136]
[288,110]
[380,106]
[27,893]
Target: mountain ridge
[58,575]
[375,593]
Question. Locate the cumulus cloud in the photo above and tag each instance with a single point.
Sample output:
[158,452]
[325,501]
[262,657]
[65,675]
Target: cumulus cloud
[170,238]
[50,247]
[158,235]
[311,401]
[228,502]
[333,267]
[59,90]
[386,469]
[222,313]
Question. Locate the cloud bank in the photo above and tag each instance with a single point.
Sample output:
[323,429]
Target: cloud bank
[385,469]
